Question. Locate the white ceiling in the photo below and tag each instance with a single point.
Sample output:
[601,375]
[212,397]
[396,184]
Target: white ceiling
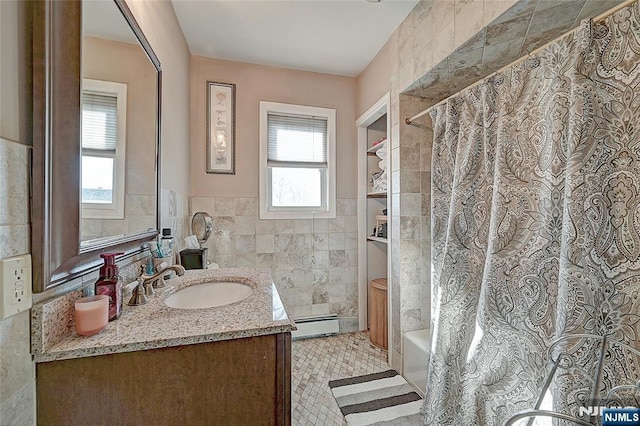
[328,36]
[103,19]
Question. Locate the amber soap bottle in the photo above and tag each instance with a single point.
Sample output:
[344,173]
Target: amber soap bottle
[110,284]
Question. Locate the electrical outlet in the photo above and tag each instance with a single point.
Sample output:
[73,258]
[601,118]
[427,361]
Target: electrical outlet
[15,282]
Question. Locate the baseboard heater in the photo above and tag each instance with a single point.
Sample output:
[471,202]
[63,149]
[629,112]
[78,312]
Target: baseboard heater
[317,326]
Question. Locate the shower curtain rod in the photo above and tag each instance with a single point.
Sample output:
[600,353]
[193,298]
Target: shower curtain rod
[598,18]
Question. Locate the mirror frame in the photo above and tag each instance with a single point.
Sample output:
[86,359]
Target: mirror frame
[55,172]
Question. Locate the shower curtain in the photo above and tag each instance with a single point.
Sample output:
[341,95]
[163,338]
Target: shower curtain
[536,227]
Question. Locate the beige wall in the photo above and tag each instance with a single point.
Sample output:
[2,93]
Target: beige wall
[374,81]
[17,372]
[255,83]
[15,72]
[160,25]
[127,63]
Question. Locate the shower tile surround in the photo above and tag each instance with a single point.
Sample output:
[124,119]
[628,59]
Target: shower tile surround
[440,48]
[410,229]
[314,261]
[471,39]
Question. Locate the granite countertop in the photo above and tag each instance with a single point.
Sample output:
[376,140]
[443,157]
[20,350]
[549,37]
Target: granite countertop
[155,325]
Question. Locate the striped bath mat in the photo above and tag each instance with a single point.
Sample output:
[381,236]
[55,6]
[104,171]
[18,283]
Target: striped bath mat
[377,399]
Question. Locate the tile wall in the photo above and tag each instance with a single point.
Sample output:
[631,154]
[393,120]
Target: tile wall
[175,207]
[174,213]
[314,262]
[494,41]
[433,30]
[426,37]
[140,214]
[17,370]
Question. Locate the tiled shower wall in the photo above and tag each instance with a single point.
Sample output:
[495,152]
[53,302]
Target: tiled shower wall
[411,228]
[431,32]
[314,262]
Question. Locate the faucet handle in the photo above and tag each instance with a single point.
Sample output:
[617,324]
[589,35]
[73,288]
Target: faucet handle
[138,296]
[160,282]
[149,287]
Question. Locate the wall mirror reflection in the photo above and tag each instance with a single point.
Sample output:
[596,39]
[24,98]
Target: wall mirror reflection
[119,101]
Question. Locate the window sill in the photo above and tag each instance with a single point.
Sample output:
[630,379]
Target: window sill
[267,215]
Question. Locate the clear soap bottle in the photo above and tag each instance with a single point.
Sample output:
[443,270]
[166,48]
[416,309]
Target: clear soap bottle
[166,244]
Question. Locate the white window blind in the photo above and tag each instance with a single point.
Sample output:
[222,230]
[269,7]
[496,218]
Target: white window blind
[99,122]
[297,161]
[104,147]
[296,141]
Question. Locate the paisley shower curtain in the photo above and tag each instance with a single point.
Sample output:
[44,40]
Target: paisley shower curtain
[536,227]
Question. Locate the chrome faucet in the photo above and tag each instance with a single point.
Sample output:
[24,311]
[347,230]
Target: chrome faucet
[146,284]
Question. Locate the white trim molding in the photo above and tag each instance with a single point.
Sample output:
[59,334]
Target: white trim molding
[114,210]
[328,208]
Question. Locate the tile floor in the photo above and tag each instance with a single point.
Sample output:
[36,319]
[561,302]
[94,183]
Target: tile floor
[316,361]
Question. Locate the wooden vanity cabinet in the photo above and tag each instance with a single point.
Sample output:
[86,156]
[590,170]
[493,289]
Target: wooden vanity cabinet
[232,382]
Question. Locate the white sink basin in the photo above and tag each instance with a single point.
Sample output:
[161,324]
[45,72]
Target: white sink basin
[209,295]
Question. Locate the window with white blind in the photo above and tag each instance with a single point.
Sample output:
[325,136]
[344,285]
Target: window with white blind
[297,161]
[103,149]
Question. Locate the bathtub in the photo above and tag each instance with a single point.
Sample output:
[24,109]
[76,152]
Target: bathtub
[416,346]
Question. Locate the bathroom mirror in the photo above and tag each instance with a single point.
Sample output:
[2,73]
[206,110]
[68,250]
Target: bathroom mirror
[118,128]
[72,69]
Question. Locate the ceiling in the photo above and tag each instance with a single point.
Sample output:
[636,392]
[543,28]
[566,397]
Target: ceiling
[328,36]
[103,19]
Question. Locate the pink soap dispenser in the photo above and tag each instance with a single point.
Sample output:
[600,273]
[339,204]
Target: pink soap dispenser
[110,284]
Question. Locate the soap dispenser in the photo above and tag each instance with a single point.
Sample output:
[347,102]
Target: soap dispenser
[110,284]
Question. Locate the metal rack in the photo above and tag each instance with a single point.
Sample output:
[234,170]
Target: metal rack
[531,414]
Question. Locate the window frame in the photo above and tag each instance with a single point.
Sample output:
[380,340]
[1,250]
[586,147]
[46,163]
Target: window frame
[328,180]
[115,209]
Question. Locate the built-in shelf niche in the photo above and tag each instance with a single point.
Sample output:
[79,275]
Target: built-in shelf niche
[376,201]
[374,249]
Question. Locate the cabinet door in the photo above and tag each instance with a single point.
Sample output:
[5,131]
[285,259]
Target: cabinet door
[232,382]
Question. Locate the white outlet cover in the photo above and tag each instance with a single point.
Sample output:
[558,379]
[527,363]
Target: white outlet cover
[15,282]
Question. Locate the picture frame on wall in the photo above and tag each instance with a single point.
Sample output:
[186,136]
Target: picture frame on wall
[221,127]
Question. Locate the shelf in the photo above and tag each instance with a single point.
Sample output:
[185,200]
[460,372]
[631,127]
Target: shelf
[376,194]
[376,147]
[374,154]
[377,239]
